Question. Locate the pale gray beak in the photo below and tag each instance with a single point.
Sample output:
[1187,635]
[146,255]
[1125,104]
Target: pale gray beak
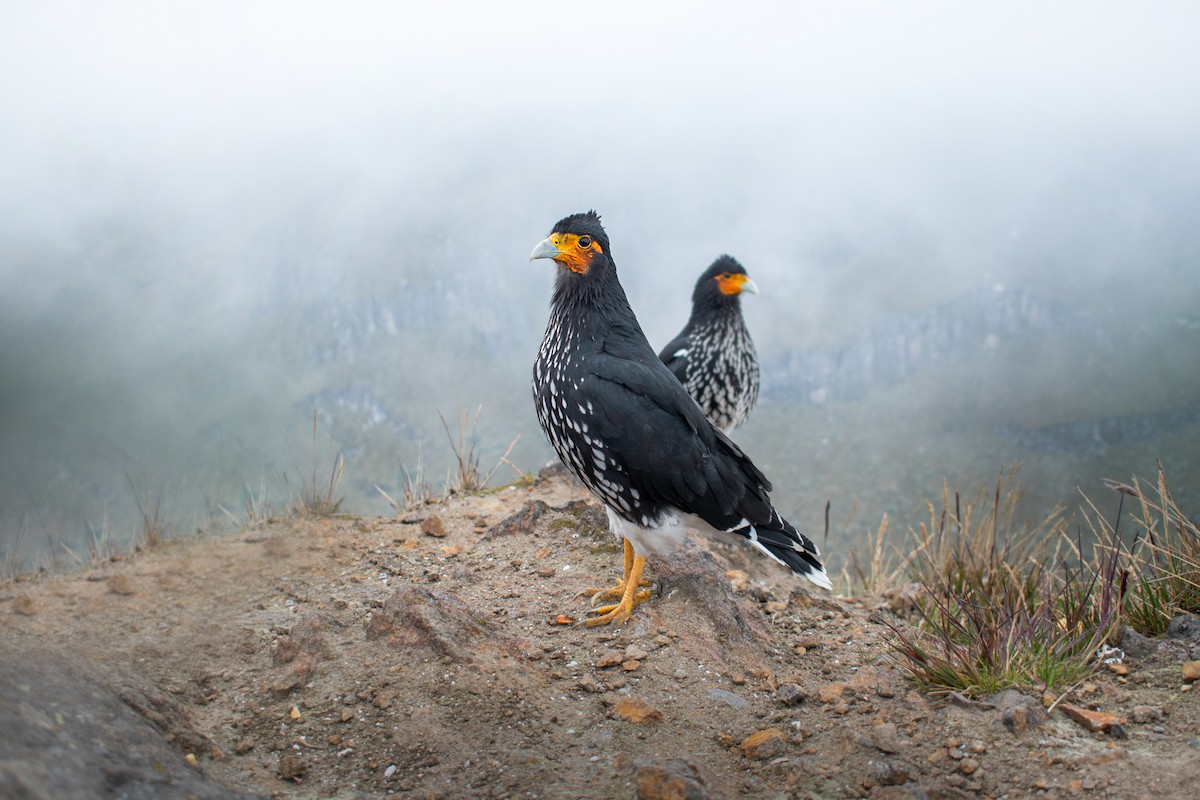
[749,287]
[545,249]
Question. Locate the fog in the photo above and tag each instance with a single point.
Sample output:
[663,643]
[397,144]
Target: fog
[973,228]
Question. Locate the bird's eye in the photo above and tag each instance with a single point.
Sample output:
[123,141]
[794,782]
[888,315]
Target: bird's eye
[724,276]
[585,241]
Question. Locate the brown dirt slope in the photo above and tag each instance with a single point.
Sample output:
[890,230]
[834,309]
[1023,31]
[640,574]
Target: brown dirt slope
[432,656]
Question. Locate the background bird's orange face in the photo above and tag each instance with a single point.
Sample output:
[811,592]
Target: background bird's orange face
[575,251]
[731,282]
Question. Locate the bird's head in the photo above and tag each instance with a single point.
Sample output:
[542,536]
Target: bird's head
[726,278]
[575,243]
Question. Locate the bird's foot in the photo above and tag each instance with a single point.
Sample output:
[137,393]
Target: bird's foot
[613,593]
[617,613]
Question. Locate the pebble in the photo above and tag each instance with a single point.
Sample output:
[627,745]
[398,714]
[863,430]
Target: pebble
[119,584]
[886,737]
[610,658]
[968,766]
[790,694]
[1191,671]
[634,710]
[764,744]
[23,604]
[433,526]
[1143,715]
[729,698]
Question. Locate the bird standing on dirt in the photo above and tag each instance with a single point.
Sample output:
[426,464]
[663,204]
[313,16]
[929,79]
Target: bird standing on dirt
[628,429]
[713,356]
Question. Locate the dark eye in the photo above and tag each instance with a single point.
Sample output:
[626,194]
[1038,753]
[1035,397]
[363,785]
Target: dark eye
[585,241]
[724,276]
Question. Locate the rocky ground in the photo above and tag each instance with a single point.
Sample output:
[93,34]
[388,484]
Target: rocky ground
[439,655]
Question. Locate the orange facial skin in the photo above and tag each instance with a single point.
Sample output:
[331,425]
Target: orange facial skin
[731,282]
[575,252]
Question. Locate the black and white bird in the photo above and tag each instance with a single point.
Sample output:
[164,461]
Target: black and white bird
[632,434]
[713,356]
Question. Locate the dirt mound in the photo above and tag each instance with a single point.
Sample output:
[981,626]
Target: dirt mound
[363,658]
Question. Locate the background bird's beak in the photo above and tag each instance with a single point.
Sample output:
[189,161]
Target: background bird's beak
[749,287]
[544,249]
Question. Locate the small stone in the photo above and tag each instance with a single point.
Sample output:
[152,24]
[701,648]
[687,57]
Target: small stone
[635,654]
[1118,669]
[635,710]
[831,692]
[977,747]
[729,698]
[610,658]
[888,773]
[630,666]
[764,744]
[23,604]
[294,713]
[1191,671]
[588,684]
[738,579]
[390,771]
[672,780]
[119,584]
[346,715]
[1095,721]
[545,572]
[886,737]
[738,679]
[291,767]
[790,694]
[1144,715]
[968,766]
[433,526]
[243,746]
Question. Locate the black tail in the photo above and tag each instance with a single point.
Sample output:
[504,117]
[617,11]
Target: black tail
[782,542]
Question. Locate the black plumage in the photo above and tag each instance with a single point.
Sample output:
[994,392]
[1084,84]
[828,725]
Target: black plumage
[628,429]
[713,356]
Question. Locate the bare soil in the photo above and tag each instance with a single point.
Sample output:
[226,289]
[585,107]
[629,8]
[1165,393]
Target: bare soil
[439,655]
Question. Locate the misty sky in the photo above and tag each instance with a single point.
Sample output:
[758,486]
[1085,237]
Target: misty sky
[1048,145]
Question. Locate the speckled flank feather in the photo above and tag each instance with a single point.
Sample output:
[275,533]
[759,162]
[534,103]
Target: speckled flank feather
[713,356]
[623,424]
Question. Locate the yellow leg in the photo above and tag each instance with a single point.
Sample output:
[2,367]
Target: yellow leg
[626,591]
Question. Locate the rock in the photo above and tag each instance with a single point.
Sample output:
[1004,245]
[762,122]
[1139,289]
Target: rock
[433,526]
[889,773]
[832,692]
[610,658]
[291,767]
[23,604]
[519,523]
[886,737]
[1143,715]
[68,731]
[635,654]
[790,694]
[120,584]
[1136,645]
[1018,712]
[1191,671]
[764,744]
[634,710]
[968,766]
[1185,626]
[672,780]
[729,698]
[1095,721]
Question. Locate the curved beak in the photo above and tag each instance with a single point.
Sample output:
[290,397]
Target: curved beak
[544,249]
[749,287]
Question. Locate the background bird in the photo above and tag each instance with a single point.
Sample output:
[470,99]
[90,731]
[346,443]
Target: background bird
[621,422]
[713,356]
